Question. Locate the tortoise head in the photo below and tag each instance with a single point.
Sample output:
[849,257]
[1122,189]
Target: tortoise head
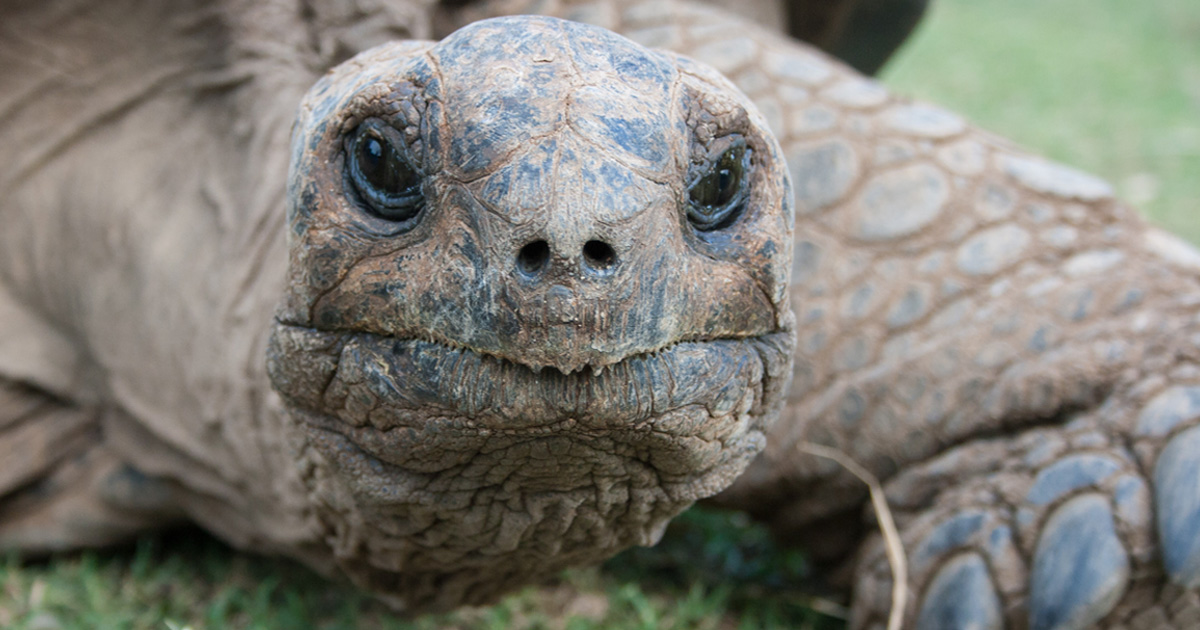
[536,306]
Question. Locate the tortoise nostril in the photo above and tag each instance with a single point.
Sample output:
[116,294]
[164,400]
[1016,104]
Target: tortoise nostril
[532,258]
[599,255]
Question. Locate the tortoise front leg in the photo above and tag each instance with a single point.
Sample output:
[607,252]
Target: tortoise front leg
[1091,524]
[61,486]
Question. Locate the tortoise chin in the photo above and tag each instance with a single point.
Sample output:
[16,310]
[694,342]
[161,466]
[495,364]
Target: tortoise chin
[440,466]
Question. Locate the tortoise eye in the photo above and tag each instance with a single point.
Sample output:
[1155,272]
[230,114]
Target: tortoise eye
[717,197]
[383,176]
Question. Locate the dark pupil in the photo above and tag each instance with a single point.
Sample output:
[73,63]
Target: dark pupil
[383,167]
[719,186]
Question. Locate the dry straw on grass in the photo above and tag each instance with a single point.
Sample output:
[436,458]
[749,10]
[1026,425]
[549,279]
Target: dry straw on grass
[891,536]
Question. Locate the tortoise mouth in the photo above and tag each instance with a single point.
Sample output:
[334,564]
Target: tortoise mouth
[405,413]
[368,380]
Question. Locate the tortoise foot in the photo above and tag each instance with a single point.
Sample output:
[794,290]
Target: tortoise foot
[1054,529]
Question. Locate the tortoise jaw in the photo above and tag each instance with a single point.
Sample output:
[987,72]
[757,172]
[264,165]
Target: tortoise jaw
[415,441]
[365,379]
[418,441]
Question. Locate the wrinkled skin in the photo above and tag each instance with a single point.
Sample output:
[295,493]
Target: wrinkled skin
[1010,349]
[558,350]
[474,419]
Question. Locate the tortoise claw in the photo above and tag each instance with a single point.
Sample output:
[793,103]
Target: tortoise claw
[1177,497]
[961,595]
[1080,569]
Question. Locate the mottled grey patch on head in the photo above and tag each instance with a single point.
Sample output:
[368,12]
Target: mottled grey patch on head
[524,183]
[543,76]
[609,190]
[1080,569]
[633,114]
[492,113]
[420,71]
[899,203]
[961,596]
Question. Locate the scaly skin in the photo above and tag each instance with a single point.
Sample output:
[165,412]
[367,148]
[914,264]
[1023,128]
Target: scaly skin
[1005,344]
[1009,348]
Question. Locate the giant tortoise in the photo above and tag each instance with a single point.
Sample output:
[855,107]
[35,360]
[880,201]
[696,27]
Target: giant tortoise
[508,302]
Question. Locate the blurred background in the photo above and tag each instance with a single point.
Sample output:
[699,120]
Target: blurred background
[1109,86]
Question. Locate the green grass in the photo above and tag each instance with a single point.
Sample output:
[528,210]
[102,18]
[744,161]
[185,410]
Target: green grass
[1110,86]
[714,571]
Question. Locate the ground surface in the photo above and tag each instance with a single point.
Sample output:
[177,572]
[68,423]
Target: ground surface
[1106,85]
